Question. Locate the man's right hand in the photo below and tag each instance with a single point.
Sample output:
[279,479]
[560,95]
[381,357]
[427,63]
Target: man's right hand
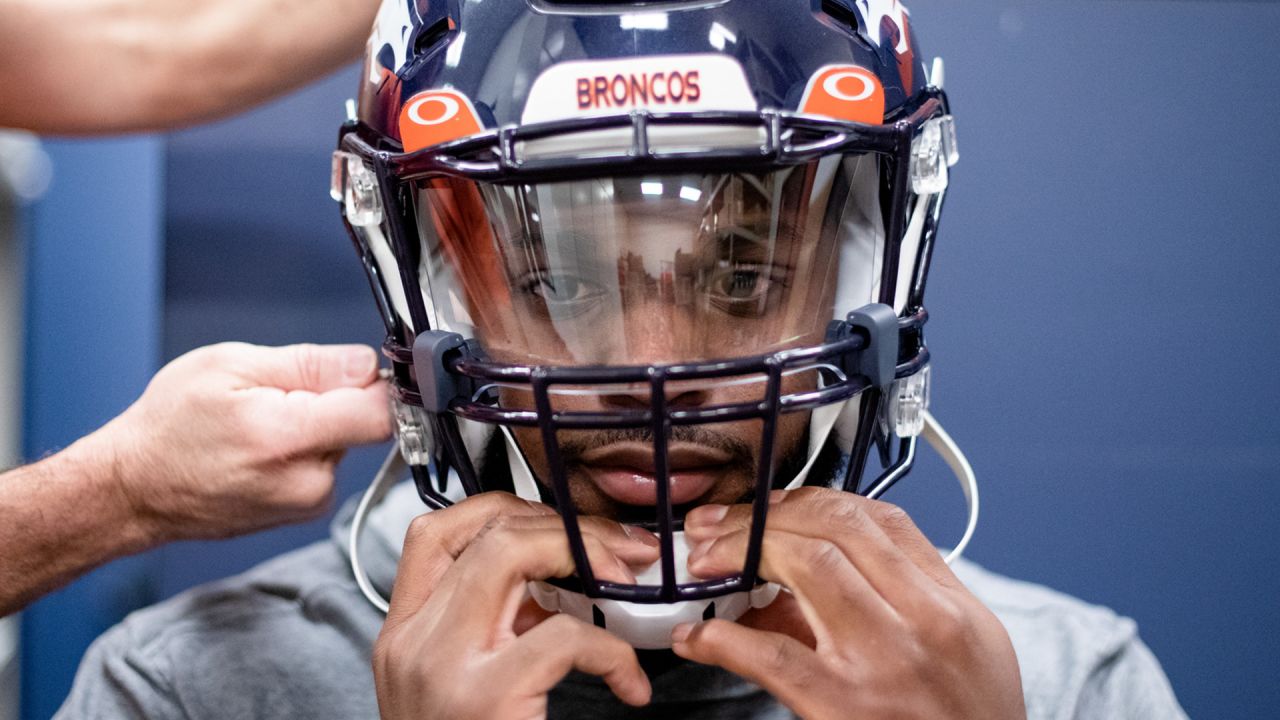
[462,639]
[233,438]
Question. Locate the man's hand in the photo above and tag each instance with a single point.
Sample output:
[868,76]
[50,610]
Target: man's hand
[226,440]
[875,624]
[234,438]
[462,639]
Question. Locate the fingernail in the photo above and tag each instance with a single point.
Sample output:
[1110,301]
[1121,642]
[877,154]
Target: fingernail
[680,632]
[359,363]
[707,515]
[640,535]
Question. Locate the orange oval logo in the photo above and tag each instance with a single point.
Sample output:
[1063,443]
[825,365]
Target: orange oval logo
[437,116]
[845,92]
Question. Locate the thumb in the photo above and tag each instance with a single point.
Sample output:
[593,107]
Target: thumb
[339,419]
[315,368]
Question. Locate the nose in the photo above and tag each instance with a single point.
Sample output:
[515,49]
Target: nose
[656,330]
[640,397]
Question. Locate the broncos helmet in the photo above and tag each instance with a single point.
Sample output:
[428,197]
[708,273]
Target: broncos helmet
[634,257]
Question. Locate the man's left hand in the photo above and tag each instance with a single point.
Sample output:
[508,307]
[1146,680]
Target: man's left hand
[875,623]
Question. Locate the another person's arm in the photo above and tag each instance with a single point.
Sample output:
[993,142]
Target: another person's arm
[226,440]
[96,66]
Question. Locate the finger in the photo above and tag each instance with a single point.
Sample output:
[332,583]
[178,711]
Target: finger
[316,368]
[436,539]
[487,583]
[780,664]
[879,538]
[541,658]
[339,419]
[632,545]
[833,596]
[902,530]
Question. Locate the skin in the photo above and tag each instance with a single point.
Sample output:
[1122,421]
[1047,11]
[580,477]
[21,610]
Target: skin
[873,623]
[226,440]
[460,619]
[732,481]
[158,65]
[646,281]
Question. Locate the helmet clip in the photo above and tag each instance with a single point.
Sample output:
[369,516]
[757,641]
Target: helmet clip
[933,152]
[353,184]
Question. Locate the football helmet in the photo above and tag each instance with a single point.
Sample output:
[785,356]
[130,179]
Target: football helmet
[633,257]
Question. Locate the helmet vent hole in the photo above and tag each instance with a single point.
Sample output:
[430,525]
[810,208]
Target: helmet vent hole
[620,7]
[431,37]
[597,617]
[842,14]
[710,612]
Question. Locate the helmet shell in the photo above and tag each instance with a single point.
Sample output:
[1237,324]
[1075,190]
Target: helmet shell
[492,52]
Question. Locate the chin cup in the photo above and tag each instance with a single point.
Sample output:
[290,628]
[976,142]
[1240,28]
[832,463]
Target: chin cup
[648,626]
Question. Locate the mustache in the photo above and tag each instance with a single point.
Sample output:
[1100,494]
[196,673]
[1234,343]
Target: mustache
[575,444]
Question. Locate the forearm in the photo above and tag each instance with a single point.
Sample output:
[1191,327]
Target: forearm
[61,517]
[81,66]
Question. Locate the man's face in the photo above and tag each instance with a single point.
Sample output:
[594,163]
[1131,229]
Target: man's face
[660,270]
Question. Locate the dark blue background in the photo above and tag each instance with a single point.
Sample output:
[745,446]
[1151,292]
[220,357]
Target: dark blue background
[1104,319]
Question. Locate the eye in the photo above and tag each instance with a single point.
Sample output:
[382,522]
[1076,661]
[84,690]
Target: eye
[745,289]
[559,288]
[562,292]
[741,284]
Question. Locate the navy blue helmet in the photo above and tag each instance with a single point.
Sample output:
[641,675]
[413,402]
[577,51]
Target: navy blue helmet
[635,257]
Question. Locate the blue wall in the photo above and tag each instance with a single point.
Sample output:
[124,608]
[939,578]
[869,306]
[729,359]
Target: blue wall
[257,253]
[1105,308]
[1102,300]
[94,291]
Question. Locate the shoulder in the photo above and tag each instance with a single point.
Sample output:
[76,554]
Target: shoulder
[1071,652]
[1023,606]
[290,635]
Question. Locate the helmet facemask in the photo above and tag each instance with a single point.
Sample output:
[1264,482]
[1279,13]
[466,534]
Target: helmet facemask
[633,335]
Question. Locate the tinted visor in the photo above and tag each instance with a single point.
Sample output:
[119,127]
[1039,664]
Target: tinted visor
[651,269]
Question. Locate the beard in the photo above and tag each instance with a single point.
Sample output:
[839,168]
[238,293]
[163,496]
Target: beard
[495,469]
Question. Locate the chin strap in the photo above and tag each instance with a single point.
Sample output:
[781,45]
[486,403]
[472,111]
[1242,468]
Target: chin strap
[649,626]
[390,472]
[521,476]
[942,444]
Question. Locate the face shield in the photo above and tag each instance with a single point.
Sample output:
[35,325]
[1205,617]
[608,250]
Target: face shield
[603,279]
[651,269]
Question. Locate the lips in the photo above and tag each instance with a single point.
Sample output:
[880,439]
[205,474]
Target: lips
[626,473]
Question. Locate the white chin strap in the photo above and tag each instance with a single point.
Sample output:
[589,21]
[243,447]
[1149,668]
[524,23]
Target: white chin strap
[521,476]
[649,626]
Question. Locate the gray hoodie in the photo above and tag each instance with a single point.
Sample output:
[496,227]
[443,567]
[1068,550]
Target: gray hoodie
[292,638]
